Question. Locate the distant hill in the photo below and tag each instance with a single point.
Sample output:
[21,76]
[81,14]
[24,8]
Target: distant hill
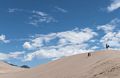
[24,66]
[10,63]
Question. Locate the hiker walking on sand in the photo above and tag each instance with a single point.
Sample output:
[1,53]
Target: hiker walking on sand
[89,54]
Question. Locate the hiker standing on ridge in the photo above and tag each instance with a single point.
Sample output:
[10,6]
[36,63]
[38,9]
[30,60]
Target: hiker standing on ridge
[107,46]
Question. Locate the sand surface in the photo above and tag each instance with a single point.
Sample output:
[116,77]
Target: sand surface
[102,64]
[6,68]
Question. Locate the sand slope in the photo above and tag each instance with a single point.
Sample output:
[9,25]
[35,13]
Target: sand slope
[6,68]
[102,64]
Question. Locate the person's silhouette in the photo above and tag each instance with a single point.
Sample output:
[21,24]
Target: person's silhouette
[89,54]
[107,46]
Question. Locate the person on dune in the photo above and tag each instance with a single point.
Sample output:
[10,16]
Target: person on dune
[107,46]
[89,54]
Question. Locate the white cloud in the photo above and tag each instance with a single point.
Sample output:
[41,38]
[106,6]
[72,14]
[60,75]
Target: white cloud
[3,39]
[107,28]
[94,47]
[40,13]
[114,5]
[110,26]
[112,38]
[27,45]
[68,43]
[13,10]
[10,10]
[112,34]
[16,54]
[61,9]
[4,56]
[38,41]
[41,17]
[76,36]
[35,17]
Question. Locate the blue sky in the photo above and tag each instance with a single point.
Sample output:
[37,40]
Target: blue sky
[34,32]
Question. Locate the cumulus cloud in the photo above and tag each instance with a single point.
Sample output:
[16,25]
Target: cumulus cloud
[114,5]
[3,39]
[38,41]
[67,43]
[76,36]
[107,28]
[27,45]
[4,56]
[110,26]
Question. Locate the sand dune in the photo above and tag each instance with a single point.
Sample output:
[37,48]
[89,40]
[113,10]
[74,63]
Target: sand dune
[102,64]
[6,68]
